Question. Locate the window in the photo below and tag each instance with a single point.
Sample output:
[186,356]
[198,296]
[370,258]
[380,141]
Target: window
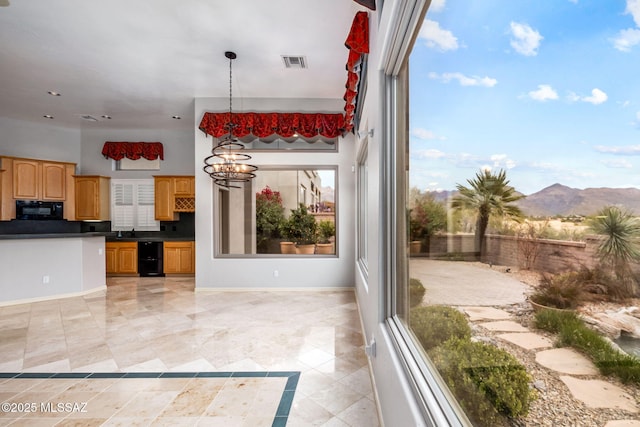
[295,206]
[276,143]
[132,205]
[362,208]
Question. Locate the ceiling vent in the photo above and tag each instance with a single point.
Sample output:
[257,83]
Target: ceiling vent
[88,118]
[294,61]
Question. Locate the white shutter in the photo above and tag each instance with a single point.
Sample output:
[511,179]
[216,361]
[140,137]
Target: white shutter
[133,205]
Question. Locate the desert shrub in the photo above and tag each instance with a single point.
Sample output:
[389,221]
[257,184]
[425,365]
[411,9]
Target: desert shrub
[572,332]
[488,382]
[435,324]
[416,292]
[560,291]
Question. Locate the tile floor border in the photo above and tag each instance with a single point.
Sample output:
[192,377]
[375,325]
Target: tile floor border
[281,416]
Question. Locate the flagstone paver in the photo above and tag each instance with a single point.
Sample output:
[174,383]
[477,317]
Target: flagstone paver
[486,313]
[527,340]
[566,361]
[600,394]
[504,326]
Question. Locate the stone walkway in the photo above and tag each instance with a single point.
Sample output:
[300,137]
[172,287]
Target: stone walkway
[568,363]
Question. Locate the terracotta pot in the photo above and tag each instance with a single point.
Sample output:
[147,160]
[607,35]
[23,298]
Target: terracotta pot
[539,307]
[305,249]
[414,246]
[287,248]
[325,248]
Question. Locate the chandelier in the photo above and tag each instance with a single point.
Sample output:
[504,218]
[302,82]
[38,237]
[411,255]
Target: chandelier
[225,164]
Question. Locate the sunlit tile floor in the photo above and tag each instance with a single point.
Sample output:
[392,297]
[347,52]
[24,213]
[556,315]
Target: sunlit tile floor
[162,325]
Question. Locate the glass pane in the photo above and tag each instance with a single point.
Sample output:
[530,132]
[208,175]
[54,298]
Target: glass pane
[286,211]
[496,141]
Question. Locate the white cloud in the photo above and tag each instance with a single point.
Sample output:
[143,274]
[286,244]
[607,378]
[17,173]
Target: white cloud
[437,5]
[617,163]
[633,8]
[526,40]
[624,149]
[544,93]
[502,161]
[465,80]
[430,153]
[597,97]
[627,39]
[436,37]
[426,134]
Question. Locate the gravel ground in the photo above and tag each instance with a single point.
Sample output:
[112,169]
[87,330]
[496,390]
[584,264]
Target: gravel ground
[554,405]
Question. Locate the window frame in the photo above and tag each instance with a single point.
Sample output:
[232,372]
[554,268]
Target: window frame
[219,216]
[435,402]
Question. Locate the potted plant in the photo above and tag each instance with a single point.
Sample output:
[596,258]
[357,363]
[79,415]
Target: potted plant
[301,228]
[269,218]
[326,230]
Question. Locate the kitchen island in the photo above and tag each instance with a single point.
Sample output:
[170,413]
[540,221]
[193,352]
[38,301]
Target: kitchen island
[37,267]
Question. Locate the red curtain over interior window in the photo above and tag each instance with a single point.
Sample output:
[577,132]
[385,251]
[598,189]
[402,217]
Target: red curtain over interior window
[133,150]
[263,125]
[358,44]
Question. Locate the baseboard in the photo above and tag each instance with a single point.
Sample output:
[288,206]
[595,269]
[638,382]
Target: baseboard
[53,297]
[281,289]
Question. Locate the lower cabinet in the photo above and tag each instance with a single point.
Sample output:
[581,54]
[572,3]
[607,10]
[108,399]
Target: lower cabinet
[179,258]
[121,257]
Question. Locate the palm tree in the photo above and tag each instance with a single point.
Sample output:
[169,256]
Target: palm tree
[488,194]
[621,245]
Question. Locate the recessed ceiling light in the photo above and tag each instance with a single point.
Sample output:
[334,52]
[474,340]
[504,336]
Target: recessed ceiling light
[48,116]
[176,117]
[106,116]
[53,93]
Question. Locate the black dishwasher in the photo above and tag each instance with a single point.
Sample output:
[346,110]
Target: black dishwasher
[150,258]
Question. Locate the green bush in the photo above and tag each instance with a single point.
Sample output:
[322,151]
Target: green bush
[301,227]
[574,333]
[326,230]
[416,292]
[488,382]
[435,324]
[561,291]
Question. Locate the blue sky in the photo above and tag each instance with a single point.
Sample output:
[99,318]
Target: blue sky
[547,90]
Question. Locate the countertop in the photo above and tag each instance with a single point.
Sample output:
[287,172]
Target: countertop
[50,235]
[109,237]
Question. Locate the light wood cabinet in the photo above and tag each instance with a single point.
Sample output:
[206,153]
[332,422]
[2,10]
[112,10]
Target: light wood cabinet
[33,179]
[173,194]
[184,186]
[164,194]
[121,257]
[92,195]
[179,258]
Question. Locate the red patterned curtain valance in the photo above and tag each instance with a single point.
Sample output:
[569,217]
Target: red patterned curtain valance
[285,125]
[358,44]
[133,150]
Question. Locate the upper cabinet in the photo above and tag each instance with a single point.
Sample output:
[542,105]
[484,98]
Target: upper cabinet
[173,194]
[92,197]
[32,179]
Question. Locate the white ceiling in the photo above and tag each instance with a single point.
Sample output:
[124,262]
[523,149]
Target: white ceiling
[143,61]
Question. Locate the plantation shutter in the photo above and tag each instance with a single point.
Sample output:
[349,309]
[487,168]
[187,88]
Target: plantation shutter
[133,205]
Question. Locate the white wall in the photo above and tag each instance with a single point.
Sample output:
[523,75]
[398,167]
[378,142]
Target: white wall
[395,397]
[39,140]
[178,151]
[73,265]
[213,272]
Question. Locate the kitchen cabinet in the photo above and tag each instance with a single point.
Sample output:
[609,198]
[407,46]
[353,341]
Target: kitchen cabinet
[92,194]
[179,258]
[40,179]
[121,257]
[173,194]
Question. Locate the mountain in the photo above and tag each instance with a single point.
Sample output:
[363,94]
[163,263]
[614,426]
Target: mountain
[559,199]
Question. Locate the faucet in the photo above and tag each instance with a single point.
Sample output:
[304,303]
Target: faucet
[133,232]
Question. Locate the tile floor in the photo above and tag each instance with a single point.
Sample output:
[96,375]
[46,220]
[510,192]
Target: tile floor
[161,325]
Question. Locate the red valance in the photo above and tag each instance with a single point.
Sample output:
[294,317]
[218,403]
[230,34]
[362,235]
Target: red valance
[263,125]
[358,44]
[133,150]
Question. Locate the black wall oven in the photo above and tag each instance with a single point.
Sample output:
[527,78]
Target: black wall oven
[32,209]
